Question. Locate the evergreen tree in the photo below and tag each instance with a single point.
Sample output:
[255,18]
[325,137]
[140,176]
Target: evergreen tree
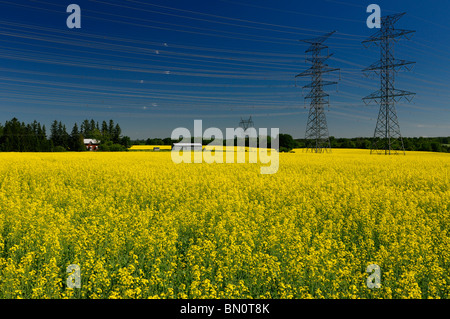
[105,132]
[65,138]
[43,144]
[116,134]
[92,126]
[86,129]
[54,137]
[76,140]
[12,136]
[111,128]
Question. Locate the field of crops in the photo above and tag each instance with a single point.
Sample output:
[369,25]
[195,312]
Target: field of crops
[149,147]
[140,226]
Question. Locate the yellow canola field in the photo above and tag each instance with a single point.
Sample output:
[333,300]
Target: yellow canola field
[140,226]
[205,147]
[149,147]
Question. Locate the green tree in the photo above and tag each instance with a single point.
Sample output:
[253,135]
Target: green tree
[116,134]
[167,141]
[44,145]
[85,129]
[436,147]
[286,142]
[54,133]
[76,140]
[111,128]
[105,132]
[63,135]
[125,141]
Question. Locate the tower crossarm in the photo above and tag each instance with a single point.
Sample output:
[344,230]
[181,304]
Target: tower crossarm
[394,64]
[314,70]
[395,94]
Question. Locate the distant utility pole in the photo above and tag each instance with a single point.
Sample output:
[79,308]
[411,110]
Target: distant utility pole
[317,138]
[245,124]
[387,137]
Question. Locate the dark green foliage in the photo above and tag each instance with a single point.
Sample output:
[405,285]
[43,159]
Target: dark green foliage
[428,144]
[59,149]
[287,143]
[153,141]
[76,140]
[16,136]
[59,135]
[111,147]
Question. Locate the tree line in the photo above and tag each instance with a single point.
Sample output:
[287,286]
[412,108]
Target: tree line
[16,136]
[427,144]
[287,143]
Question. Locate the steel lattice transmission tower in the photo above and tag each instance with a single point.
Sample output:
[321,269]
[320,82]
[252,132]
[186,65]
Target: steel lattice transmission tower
[316,136]
[245,124]
[387,137]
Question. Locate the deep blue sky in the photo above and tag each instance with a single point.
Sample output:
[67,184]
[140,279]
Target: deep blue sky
[156,65]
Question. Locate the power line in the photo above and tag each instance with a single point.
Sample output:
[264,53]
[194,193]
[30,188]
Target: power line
[387,136]
[317,135]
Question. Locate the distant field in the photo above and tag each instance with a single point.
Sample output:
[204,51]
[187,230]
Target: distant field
[149,147]
[140,226]
[205,147]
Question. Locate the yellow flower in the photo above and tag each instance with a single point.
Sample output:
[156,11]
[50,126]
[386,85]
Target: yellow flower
[140,226]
